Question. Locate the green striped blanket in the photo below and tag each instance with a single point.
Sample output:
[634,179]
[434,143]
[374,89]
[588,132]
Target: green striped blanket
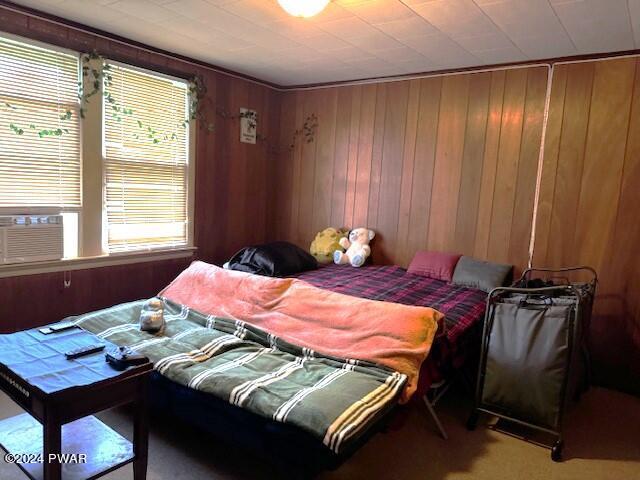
[334,399]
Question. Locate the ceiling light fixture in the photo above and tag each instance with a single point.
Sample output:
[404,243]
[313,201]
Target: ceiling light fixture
[303,8]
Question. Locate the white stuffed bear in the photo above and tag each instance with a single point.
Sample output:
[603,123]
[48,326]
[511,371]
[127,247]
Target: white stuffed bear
[357,246]
[152,316]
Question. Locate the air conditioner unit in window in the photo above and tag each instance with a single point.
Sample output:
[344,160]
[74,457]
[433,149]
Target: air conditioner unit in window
[30,238]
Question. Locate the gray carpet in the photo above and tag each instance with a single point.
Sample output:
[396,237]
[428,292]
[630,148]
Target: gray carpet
[602,437]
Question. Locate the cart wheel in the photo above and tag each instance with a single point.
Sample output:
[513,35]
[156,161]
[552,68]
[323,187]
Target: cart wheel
[472,422]
[556,451]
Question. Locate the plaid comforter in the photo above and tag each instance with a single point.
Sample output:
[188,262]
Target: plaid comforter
[463,307]
[336,400]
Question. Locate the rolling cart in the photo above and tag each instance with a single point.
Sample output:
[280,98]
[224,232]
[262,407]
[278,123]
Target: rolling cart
[533,354]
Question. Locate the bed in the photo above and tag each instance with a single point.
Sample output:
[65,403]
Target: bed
[220,410]
[463,308]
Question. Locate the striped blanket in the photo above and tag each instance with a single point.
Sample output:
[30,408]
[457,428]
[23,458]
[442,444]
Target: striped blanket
[334,399]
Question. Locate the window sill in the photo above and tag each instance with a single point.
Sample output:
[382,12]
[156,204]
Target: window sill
[66,265]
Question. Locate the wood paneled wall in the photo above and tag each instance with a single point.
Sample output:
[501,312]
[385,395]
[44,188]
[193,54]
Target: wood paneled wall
[231,180]
[33,300]
[589,201]
[443,163]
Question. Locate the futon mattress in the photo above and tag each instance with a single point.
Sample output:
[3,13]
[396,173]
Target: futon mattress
[336,400]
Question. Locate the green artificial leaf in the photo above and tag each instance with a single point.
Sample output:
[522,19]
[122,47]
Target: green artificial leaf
[17,130]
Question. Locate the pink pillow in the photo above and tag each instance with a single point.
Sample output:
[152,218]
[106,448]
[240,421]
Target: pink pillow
[438,265]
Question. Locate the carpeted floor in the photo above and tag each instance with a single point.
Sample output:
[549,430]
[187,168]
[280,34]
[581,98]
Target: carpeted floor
[602,442]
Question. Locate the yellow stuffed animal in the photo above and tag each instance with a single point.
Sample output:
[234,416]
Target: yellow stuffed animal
[327,242]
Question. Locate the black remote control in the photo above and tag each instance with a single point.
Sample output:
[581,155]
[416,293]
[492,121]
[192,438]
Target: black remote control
[123,357]
[82,351]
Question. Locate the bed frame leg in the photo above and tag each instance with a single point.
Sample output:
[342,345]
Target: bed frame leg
[434,415]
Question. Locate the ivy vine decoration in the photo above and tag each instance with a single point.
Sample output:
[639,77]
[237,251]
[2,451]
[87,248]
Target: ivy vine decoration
[42,132]
[250,115]
[97,77]
[197,89]
[307,132]
[252,119]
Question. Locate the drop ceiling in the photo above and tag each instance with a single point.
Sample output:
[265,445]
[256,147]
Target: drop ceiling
[355,39]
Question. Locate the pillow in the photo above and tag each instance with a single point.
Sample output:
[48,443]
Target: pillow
[482,275]
[438,265]
[275,259]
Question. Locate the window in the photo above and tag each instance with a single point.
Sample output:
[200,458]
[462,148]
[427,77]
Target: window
[40,166]
[146,156]
[119,173]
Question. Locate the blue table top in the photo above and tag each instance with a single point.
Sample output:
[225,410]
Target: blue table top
[39,359]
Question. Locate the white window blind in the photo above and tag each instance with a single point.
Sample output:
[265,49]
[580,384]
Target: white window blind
[146,161]
[38,89]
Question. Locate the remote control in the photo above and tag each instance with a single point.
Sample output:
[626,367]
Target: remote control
[86,350]
[124,357]
[57,327]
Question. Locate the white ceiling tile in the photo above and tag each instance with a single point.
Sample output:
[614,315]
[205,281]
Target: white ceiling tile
[545,46]
[380,11]
[500,55]
[258,11]
[349,53]
[201,11]
[144,32]
[370,63]
[375,37]
[76,10]
[323,42]
[399,55]
[294,28]
[441,49]
[374,40]
[524,18]
[597,25]
[348,28]
[411,27]
[44,3]
[487,41]
[220,2]
[456,17]
[634,12]
[144,9]
[332,11]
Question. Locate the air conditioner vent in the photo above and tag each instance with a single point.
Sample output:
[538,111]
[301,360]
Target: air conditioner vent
[31,238]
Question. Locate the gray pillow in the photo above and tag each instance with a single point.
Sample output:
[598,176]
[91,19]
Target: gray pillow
[479,274]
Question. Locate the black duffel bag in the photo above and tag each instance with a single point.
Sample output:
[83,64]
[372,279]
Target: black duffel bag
[276,259]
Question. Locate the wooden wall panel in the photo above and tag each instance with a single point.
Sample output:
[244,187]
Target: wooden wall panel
[589,201]
[446,163]
[32,300]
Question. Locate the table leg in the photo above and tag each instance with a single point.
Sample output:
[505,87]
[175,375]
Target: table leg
[141,432]
[52,433]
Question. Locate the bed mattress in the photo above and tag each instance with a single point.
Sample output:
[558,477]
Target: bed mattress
[463,308]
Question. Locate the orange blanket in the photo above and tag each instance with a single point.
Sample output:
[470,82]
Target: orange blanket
[395,335]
